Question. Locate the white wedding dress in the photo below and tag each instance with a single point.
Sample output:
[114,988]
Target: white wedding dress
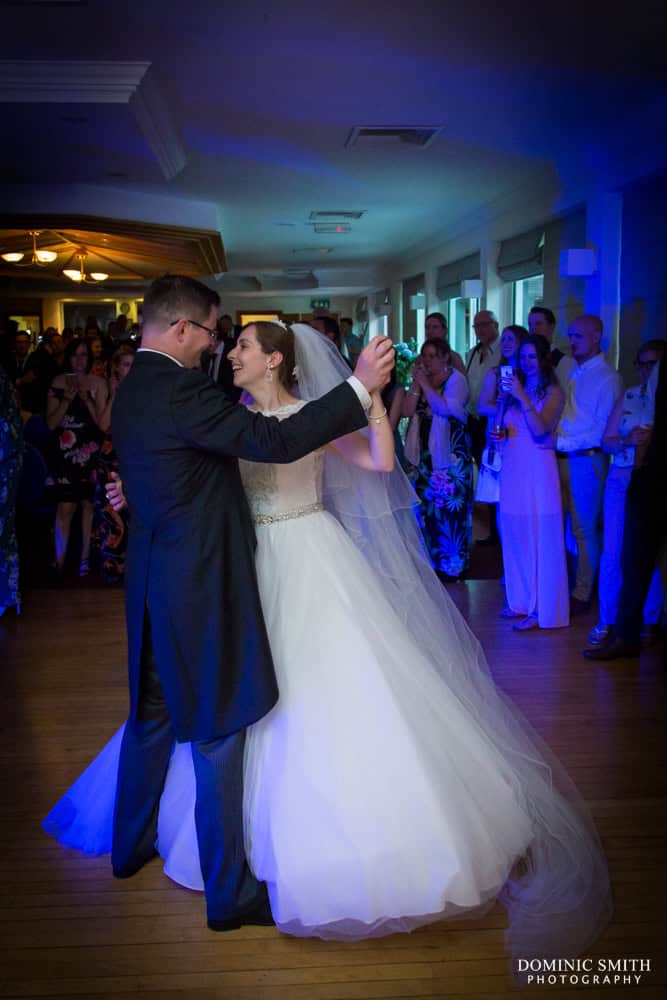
[375,800]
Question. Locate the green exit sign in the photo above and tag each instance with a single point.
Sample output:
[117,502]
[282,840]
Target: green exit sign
[320,303]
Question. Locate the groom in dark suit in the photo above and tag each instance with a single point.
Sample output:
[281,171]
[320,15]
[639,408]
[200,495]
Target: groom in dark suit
[200,666]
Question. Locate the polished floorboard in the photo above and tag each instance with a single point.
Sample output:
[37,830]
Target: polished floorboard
[69,930]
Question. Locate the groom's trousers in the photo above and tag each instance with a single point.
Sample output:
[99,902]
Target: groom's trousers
[147,744]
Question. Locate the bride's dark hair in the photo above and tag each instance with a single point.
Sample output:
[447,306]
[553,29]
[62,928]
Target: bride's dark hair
[274,337]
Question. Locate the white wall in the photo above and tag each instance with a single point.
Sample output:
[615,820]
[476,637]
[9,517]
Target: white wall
[281,302]
[514,215]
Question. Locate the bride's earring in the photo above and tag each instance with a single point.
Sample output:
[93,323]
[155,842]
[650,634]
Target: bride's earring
[269,373]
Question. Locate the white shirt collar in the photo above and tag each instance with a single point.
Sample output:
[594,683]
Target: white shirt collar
[491,346]
[151,350]
[589,364]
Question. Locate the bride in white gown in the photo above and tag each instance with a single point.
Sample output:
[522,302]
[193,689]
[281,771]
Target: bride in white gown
[392,785]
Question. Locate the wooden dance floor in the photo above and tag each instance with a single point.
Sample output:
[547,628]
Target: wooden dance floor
[68,929]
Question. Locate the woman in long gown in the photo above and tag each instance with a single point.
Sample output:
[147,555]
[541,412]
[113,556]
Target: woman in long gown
[392,785]
[531,514]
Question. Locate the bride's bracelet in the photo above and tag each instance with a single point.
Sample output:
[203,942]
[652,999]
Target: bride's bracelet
[379,418]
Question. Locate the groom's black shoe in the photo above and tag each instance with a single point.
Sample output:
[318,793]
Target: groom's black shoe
[613,648]
[259,915]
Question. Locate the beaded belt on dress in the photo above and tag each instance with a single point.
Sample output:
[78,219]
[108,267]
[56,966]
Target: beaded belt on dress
[288,515]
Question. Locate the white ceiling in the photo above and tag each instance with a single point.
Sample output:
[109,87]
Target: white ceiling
[258,99]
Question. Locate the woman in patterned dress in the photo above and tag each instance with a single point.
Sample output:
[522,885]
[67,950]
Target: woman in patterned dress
[110,526]
[76,403]
[438,449]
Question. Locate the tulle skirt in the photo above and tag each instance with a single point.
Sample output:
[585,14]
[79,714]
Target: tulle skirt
[376,800]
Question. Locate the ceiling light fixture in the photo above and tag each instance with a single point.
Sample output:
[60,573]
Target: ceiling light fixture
[80,276]
[37,257]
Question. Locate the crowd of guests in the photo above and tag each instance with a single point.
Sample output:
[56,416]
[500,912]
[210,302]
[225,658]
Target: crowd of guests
[557,442]
[543,445]
[534,439]
[56,446]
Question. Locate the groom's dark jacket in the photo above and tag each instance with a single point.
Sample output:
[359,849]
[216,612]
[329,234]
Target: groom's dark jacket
[190,559]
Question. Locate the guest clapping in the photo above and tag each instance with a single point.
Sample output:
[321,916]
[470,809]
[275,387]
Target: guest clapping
[436,328]
[531,515]
[76,403]
[438,449]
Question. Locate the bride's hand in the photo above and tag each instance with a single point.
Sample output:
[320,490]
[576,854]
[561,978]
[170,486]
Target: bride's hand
[114,492]
[375,363]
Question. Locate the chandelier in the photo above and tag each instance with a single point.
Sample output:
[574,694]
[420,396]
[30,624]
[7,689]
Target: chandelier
[37,257]
[80,276]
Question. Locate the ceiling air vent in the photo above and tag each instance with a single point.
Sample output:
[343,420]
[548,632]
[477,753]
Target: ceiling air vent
[381,136]
[329,215]
[312,250]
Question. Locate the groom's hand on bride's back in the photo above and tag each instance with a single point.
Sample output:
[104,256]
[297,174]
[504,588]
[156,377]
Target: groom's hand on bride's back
[375,363]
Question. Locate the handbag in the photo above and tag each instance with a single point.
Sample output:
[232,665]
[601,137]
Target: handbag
[488,481]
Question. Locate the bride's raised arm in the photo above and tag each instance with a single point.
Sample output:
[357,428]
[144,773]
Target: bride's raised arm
[374,452]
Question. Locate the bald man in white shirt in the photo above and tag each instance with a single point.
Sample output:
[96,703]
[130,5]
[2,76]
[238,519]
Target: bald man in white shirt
[591,389]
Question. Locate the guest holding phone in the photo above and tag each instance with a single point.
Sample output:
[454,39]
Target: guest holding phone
[75,409]
[492,404]
[531,515]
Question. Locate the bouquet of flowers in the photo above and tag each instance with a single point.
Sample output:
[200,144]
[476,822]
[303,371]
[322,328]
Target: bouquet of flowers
[406,355]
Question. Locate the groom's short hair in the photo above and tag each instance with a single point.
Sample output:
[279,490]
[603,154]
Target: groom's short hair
[177,296]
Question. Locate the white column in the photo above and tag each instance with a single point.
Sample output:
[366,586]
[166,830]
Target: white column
[430,275]
[604,213]
[396,317]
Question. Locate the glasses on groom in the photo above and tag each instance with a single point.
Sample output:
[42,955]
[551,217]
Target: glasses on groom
[211,331]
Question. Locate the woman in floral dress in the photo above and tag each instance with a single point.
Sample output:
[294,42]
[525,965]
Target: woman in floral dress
[76,404]
[438,449]
[11,452]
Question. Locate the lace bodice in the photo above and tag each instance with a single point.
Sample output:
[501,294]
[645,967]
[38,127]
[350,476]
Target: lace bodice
[281,492]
